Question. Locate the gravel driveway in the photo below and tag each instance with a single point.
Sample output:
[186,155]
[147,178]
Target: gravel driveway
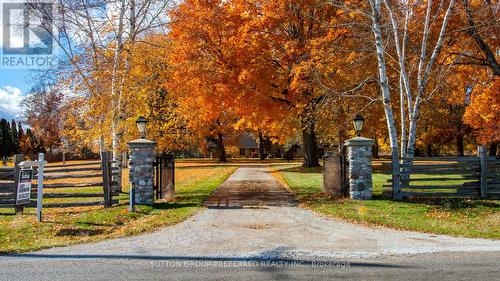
[273,232]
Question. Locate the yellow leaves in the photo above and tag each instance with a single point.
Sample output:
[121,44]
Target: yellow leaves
[362,210]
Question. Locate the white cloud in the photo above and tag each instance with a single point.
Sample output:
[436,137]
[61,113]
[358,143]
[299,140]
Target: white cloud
[10,100]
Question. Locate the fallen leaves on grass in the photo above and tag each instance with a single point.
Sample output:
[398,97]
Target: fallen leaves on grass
[76,232]
[438,214]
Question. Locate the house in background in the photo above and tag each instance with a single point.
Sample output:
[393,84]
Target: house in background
[248,146]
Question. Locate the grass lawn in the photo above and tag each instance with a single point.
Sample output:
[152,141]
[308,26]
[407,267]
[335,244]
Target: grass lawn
[65,226]
[457,217]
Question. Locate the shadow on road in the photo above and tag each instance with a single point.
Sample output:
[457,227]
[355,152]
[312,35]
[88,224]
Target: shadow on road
[257,259]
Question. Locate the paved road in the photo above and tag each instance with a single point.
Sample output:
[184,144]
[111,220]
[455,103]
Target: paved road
[440,267]
[263,243]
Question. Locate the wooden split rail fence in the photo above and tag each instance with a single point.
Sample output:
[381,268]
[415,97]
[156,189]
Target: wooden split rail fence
[74,184]
[435,177]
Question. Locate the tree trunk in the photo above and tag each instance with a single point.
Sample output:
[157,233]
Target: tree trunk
[407,160]
[261,147]
[220,148]
[429,150]
[101,146]
[115,135]
[403,117]
[310,147]
[422,79]
[493,149]
[375,149]
[460,144]
[386,98]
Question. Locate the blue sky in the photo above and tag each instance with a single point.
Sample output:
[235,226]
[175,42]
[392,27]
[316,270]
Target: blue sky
[14,84]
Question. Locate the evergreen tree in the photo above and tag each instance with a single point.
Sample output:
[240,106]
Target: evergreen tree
[8,138]
[7,145]
[20,133]
[15,137]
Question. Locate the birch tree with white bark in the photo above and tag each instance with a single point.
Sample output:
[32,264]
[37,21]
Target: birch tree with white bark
[397,25]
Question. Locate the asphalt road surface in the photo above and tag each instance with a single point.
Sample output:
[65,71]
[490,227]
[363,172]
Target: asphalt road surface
[439,266]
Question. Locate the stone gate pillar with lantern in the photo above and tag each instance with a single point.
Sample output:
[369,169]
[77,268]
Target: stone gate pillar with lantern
[359,156]
[141,170]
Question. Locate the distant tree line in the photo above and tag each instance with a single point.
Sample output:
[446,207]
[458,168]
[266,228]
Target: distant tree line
[14,139]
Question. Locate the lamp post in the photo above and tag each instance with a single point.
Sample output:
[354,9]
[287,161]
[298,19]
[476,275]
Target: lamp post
[141,123]
[358,124]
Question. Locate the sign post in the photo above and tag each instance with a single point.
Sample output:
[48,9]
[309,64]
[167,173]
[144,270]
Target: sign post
[39,195]
[18,158]
[39,198]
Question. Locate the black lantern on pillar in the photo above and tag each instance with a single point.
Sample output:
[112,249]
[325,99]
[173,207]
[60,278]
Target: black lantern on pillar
[358,124]
[141,126]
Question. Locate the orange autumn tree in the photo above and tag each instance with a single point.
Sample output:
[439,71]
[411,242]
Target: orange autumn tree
[260,62]
[150,96]
[471,54]
[483,113]
[302,56]
[204,58]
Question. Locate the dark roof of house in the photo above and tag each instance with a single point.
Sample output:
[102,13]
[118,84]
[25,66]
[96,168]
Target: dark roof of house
[247,140]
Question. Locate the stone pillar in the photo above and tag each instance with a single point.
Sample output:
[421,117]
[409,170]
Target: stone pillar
[141,171]
[359,155]
[332,174]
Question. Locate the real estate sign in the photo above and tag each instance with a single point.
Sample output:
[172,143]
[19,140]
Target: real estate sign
[24,186]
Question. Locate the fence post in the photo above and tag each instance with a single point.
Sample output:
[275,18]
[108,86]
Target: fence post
[481,153]
[163,175]
[124,160]
[105,179]
[170,169]
[117,173]
[396,184]
[18,158]
[39,192]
